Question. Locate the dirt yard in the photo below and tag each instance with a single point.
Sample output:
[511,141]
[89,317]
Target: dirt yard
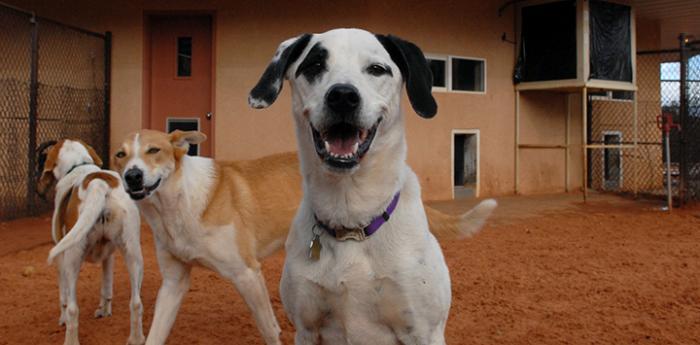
[546,270]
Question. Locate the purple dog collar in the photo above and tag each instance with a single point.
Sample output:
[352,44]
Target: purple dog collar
[373,226]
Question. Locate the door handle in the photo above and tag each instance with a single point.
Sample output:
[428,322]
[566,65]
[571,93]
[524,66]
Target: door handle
[209,115]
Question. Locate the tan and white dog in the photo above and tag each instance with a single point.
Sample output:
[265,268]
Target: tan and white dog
[225,216]
[361,265]
[92,217]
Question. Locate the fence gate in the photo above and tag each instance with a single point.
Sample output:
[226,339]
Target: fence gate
[54,83]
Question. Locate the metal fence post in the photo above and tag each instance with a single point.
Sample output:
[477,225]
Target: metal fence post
[107,95]
[33,94]
[683,114]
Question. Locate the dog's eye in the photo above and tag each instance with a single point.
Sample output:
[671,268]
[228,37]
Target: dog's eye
[378,69]
[153,150]
[120,154]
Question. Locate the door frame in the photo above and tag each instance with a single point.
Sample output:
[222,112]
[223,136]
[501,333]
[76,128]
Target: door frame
[476,132]
[146,70]
[602,159]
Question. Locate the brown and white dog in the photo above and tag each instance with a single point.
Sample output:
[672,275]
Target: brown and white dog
[92,217]
[225,216]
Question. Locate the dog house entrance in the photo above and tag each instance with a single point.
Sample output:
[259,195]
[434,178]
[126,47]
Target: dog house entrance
[465,165]
[184,124]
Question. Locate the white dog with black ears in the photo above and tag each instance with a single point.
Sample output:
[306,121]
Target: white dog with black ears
[362,266]
[93,216]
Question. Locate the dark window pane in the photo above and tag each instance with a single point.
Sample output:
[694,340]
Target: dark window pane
[548,42]
[467,75]
[184,56]
[185,125]
[438,69]
[625,95]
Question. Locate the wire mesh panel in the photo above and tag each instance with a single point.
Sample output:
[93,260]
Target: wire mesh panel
[54,83]
[15,62]
[690,122]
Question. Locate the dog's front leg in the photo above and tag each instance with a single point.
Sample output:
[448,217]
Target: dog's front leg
[134,263]
[176,282]
[105,308]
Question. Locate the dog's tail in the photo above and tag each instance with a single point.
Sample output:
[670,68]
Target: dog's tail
[443,225]
[94,204]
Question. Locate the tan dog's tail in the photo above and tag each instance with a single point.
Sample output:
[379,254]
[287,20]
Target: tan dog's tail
[94,205]
[443,225]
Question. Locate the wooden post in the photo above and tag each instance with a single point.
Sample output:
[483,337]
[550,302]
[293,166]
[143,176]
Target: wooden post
[567,143]
[584,141]
[517,142]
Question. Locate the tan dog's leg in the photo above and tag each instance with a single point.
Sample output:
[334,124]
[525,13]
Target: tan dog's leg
[251,285]
[105,308]
[134,263]
[176,282]
[70,268]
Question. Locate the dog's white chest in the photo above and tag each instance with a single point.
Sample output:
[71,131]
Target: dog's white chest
[364,293]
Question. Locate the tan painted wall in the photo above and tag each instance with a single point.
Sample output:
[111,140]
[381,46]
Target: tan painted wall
[247,33]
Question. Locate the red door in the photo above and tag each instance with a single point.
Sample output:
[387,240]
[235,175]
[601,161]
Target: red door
[181,76]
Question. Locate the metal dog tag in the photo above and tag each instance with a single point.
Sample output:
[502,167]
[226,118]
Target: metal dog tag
[315,248]
[315,244]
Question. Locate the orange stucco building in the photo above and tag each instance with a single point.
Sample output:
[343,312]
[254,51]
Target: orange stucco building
[244,35]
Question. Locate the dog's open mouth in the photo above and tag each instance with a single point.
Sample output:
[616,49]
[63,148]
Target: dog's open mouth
[143,192]
[343,145]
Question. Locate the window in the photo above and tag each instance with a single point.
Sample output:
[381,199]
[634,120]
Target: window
[184,56]
[439,68]
[618,95]
[451,73]
[467,75]
[184,124]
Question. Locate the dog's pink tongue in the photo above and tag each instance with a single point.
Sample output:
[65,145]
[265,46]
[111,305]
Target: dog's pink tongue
[342,146]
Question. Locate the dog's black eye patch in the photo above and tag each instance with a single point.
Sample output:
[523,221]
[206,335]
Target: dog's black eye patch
[378,69]
[314,64]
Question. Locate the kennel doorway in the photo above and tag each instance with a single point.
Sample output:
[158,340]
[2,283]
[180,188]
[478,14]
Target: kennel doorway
[612,161]
[465,164]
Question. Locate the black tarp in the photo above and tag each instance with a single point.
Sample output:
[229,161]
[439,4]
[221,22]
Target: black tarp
[610,39]
[547,43]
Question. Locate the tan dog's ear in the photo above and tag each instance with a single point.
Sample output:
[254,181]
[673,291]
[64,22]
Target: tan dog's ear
[182,140]
[95,157]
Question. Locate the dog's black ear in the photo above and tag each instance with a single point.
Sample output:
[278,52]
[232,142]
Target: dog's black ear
[415,71]
[270,84]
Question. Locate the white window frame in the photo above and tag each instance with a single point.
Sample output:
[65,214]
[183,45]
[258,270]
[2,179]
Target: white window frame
[477,132]
[448,72]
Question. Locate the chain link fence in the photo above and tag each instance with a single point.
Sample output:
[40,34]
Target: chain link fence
[638,164]
[54,83]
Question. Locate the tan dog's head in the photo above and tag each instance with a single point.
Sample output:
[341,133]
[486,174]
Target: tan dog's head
[57,158]
[148,158]
[346,92]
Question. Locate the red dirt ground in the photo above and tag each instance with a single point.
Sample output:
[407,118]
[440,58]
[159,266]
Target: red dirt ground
[546,270]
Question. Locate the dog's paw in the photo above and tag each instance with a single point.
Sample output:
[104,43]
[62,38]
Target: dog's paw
[103,312]
[136,340]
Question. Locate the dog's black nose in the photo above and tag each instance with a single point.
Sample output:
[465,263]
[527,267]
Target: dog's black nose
[343,98]
[134,178]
